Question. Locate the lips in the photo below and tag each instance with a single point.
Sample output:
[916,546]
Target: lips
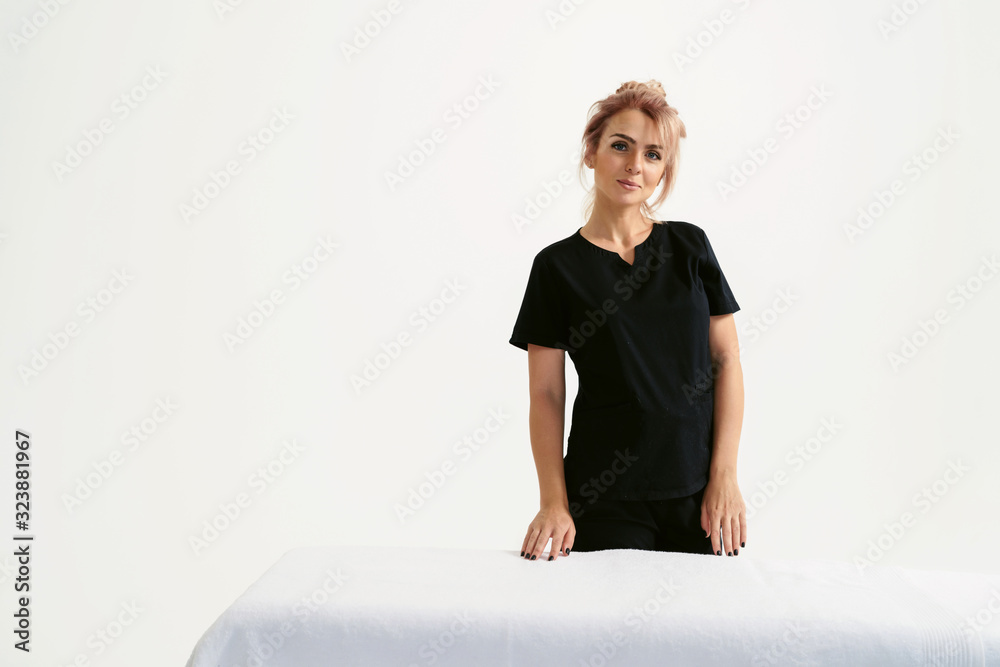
[629,185]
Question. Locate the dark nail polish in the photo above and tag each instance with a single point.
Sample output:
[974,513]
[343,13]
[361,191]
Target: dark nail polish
[736,552]
[551,557]
[567,551]
[532,556]
[522,554]
[730,553]
[719,552]
[743,544]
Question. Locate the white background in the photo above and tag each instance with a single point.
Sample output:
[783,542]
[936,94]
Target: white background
[355,117]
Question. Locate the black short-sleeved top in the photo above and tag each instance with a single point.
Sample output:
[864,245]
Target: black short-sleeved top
[642,425]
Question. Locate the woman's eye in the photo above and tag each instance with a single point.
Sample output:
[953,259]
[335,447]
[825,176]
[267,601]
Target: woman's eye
[656,156]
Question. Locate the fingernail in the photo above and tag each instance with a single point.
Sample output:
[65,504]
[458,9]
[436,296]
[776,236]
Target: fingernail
[567,551]
[522,554]
[551,557]
[719,552]
[736,552]
[743,544]
[730,553]
[532,556]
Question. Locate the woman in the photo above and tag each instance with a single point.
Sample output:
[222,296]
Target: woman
[645,313]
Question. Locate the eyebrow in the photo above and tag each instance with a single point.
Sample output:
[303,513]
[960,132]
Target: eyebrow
[630,139]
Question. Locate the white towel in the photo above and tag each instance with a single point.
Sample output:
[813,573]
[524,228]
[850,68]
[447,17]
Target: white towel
[410,606]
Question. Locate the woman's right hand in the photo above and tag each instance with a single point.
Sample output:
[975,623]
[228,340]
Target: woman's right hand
[551,522]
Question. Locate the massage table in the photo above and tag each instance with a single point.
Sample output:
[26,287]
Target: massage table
[415,606]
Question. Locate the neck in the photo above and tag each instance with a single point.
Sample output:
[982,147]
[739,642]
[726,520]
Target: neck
[620,225]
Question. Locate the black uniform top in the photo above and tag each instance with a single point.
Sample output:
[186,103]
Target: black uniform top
[642,423]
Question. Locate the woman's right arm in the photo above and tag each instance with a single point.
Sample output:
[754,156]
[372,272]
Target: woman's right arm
[546,422]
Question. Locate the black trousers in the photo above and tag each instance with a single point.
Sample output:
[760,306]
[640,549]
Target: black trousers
[673,524]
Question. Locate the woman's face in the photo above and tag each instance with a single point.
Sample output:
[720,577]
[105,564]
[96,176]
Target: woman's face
[630,149]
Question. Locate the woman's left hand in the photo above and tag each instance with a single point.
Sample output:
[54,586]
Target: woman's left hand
[723,506]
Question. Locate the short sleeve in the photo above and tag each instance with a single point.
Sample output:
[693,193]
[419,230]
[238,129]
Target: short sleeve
[542,318]
[720,297]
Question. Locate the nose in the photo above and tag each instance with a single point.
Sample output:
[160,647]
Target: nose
[635,164]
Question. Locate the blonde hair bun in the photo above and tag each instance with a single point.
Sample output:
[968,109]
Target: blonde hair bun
[652,84]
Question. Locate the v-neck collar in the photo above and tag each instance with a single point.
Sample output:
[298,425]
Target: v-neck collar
[638,251]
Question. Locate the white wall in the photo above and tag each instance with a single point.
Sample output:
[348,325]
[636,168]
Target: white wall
[162,336]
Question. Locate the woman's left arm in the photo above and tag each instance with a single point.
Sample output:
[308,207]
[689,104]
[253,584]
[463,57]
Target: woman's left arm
[722,504]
